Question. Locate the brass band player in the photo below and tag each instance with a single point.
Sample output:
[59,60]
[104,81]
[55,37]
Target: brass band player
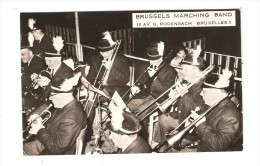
[191,69]
[164,79]
[116,79]
[58,135]
[32,65]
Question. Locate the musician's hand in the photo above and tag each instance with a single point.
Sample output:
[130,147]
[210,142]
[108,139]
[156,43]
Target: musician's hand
[134,90]
[106,63]
[36,126]
[178,89]
[43,81]
[34,76]
[103,83]
[151,72]
[32,117]
[194,115]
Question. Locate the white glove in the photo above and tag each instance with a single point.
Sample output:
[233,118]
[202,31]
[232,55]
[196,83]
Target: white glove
[34,76]
[32,117]
[135,90]
[36,126]
[106,63]
[43,81]
[151,72]
[194,116]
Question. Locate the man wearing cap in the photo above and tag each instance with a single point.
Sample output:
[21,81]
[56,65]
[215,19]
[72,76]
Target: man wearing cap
[32,64]
[157,85]
[58,135]
[124,127]
[191,66]
[42,42]
[57,69]
[221,128]
[115,80]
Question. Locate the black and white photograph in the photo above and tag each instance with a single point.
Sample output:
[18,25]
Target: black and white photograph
[158,82]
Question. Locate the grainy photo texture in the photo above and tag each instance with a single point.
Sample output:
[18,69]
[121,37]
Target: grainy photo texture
[113,82]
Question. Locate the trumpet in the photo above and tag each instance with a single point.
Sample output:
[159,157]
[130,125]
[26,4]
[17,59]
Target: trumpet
[163,106]
[34,89]
[175,137]
[45,115]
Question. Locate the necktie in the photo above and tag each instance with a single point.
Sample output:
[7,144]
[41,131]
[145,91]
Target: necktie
[52,72]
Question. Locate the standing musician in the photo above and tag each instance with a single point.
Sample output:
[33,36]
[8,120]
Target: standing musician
[164,79]
[124,128]
[115,80]
[32,64]
[192,66]
[58,135]
[42,42]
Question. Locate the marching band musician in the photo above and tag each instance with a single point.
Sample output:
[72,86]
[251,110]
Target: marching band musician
[42,42]
[124,127]
[58,135]
[181,52]
[192,66]
[58,70]
[115,80]
[164,79]
[221,129]
[32,64]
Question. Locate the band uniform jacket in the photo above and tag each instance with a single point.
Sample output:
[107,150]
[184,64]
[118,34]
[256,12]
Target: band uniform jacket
[118,77]
[163,81]
[42,46]
[36,65]
[138,146]
[223,127]
[62,129]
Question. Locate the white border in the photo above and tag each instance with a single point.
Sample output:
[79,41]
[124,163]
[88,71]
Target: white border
[11,147]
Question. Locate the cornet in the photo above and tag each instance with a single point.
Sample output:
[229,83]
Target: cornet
[45,115]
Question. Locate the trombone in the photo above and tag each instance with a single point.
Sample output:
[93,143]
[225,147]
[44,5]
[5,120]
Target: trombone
[163,106]
[175,137]
[45,115]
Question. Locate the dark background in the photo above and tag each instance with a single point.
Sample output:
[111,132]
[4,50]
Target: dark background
[224,40]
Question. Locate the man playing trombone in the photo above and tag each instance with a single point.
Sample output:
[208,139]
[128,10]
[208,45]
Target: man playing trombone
[109,73]
[191,70]
[58,135]
[157,78]
[220,129]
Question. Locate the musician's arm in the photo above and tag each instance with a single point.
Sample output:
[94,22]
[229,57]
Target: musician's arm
[221,137]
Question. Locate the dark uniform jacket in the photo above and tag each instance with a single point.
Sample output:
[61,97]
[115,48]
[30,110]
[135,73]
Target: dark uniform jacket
[222,128]
[60,75]
[118,77]
[62,129]
[39,47]
[163,81]
[36,65]
[138,146]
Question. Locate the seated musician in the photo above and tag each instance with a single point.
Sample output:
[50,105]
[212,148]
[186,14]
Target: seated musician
[221,128]
[58,135]
[116,79]
[31,64]
[124,128]
[58,70]
[159,82]
[191,69]
[42,42]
